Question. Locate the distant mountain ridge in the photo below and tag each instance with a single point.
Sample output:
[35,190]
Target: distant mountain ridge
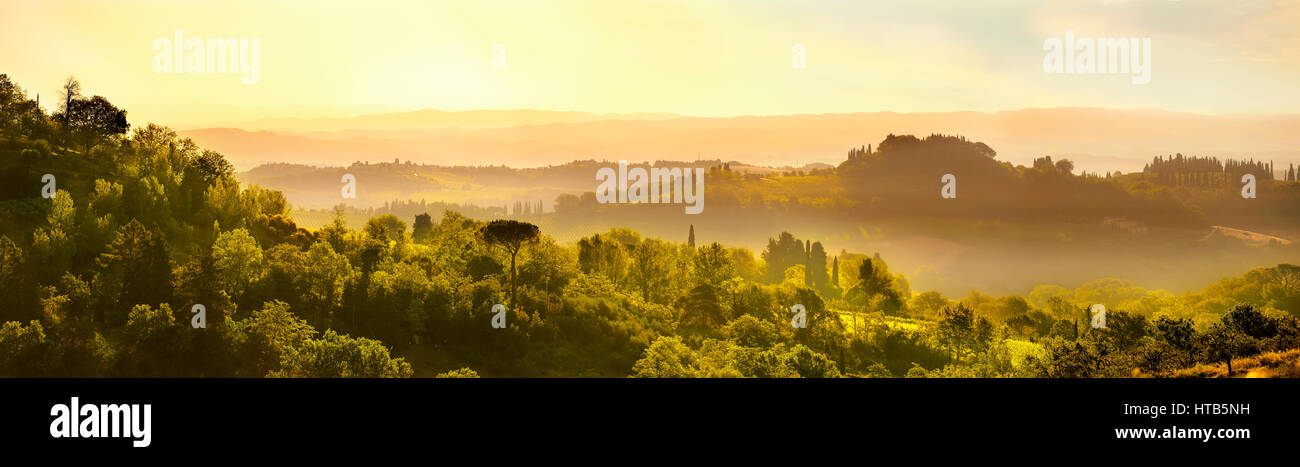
[431,118]
[316,186]
[1098,140]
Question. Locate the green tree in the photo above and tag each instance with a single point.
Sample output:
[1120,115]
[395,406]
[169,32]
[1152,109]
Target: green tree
[1248,320]
[340,356]
[824,327]
[872,279]
[782,253]
[666,357]
[12,277]
[835,273]
[651,268]
[238,261]
[24,351]
[154,138]
[810,364]
[152,339]
[458,373]
[273,332]
[750,331]
[211,166]
[54,245]
[197,282]
[817,273]
[336,232]
[325,276]
[604,256]
[10,96]
[386,228]
[19,116]
[1225,342]
[91,121]
[700,309]
[136,269]
[713,264]
[962,331]
[1179,333]
[510,236]
[422,232]
[927,304]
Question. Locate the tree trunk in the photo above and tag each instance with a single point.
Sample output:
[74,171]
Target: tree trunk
[513,275]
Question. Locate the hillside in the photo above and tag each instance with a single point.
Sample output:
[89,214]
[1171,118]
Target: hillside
[103,273]
[1285,364]
[1022,222]
[317,187]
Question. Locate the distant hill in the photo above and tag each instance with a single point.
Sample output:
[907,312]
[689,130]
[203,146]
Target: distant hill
[430,119]
[1097,140]
[248,149]
[312,186]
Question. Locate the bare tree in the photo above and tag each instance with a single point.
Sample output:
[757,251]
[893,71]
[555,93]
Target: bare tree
[71,90]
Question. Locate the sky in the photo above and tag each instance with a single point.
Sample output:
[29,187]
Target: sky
[692,57]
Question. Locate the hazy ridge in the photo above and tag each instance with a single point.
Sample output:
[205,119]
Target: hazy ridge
[1097,140]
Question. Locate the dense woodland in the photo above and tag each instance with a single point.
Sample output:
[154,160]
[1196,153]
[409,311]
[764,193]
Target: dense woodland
[101,278]
[900,176]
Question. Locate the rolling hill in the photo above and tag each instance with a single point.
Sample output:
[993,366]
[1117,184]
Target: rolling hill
[1098,140]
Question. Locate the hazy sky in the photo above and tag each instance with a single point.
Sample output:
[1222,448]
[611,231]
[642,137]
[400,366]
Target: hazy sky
[697,57]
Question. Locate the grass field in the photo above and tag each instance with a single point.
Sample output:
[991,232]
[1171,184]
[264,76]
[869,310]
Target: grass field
[867,321]
[1020,350]
[1267,365]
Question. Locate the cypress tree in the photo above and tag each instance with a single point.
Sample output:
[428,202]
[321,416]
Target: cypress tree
[835,272]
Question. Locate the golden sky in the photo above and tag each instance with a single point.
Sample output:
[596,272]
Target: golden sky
[696,57]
